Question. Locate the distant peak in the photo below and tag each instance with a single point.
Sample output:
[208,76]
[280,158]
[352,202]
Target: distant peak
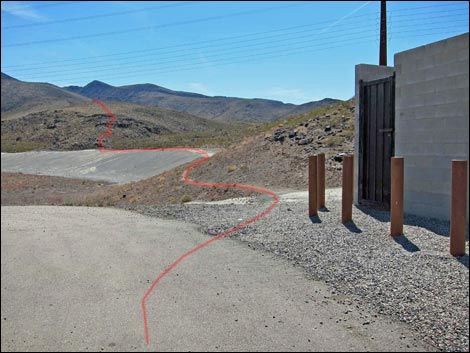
[97,83]
[6,77]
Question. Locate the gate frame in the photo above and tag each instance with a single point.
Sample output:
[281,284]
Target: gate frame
[361,179]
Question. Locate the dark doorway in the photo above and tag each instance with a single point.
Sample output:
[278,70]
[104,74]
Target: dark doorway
[376,140]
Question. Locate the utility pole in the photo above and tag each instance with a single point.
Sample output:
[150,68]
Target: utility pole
[383,33]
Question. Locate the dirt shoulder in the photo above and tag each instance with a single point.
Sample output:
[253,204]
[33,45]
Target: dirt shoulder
[167,188]
[26,189]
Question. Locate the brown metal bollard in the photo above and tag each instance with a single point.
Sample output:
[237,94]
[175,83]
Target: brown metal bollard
[321,180]
[458,208]
[347,192]
[312,186]
[396,197]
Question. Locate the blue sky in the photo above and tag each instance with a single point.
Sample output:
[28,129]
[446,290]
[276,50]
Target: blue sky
[291,51]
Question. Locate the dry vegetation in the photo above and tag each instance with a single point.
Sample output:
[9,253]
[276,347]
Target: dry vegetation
[269,158]
[79,127]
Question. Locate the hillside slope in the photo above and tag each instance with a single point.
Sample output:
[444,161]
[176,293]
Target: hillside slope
[279,157]
[80,125]
[217,108]
[276,159]
[21,98]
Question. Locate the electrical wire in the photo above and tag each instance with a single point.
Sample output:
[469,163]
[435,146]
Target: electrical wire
[184,56]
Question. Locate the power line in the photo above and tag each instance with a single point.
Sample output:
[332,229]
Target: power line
[112,14]
[138,29]
[114,55]
[145,73]
[276,54]
[171,24]
[186,48]
[133,64]
[56,3]
[84,61]
[244,46]
[447,3]
[223,61]
[120,13]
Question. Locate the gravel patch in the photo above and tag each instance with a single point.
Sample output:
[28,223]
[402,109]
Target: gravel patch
[411,278]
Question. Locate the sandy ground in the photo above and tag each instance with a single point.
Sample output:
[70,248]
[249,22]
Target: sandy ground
[73,279]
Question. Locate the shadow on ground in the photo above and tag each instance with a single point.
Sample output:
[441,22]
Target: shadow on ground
[438,226]
[315,219]
[463,260]
[407,244]
[352,227]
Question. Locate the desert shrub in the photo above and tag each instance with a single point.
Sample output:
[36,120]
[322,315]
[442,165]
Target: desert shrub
[186,198]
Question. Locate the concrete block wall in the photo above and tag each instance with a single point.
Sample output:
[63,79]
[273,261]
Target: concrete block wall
[432,121]
[367,73]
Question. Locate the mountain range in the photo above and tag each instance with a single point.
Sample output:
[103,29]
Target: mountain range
[31,97]
[217,108]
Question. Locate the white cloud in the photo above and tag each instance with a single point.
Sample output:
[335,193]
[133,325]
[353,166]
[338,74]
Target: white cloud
[23,10]
[344,17]
[287,94]
[198,87]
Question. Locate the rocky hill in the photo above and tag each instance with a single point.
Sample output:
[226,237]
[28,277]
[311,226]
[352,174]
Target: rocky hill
[217,108]
[276,159]
[79,126]
[20,98]
[279,156]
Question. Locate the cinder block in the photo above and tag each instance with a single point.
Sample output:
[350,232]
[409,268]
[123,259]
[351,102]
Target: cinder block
[432,121]
[438,98]
[423,125]
[458,67]
[463,54]
[458,95]
[436,48]
[426,87]
[447,56]
[429,185]
[452,110]
[398,69]
[427,198]
[412,207]
[443,84]
[420,162]
[425,210]
[454,134]
[409,89]
[423,136]
[457,122]
[452,149]
[407,101]
[461,41]
[462,81]
[425,62]
[410,77]
[440,71]
[416,175]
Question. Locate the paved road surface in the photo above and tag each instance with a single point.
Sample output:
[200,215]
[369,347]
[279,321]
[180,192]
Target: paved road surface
[119,167]
[73,278]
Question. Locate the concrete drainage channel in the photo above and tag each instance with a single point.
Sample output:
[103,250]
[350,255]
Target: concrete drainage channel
[115,167]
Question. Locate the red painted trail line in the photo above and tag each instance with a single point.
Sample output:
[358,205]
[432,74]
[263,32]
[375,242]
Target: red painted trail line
[192,182]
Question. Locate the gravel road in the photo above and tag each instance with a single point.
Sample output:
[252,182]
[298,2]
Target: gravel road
[412,278]
[73,279]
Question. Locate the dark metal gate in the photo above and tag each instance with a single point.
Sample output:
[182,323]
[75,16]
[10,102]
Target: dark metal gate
[376,140]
